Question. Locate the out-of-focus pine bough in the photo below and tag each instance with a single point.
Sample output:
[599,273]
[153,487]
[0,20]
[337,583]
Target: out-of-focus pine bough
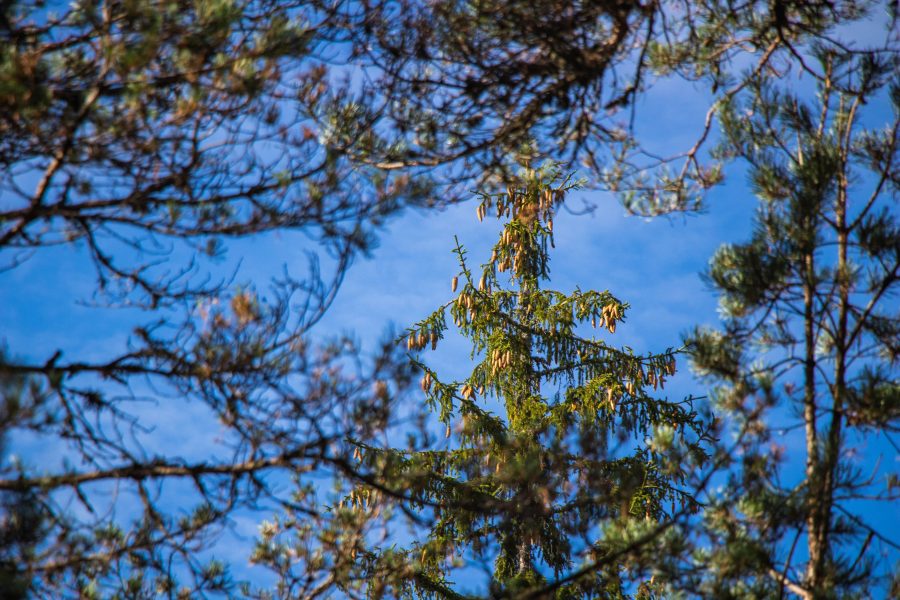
[468,84]
[144,135]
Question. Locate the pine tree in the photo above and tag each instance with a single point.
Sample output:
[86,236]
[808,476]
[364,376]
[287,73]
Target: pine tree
[810,341]
[561,473]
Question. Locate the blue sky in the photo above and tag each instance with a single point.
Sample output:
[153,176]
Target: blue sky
[653,264]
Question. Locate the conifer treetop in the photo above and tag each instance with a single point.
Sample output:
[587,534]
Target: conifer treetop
[558,473]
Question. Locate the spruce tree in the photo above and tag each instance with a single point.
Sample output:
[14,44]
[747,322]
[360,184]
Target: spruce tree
[810,342]
[561,474]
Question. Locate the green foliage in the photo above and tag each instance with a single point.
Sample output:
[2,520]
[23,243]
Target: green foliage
[809,342]
[561,475]
[150,132]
